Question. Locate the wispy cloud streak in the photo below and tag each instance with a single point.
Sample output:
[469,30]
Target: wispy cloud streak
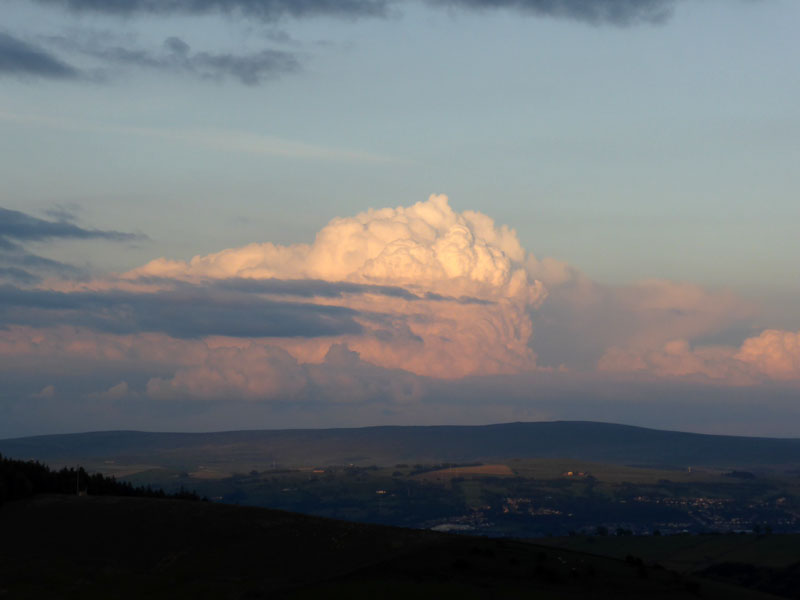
[20,226]
[22,59]
[186,312]
[614,12]
[596,12]
[177,57]
[17,229]
[264,10]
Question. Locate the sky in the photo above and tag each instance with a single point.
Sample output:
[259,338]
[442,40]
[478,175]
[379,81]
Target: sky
[237,214]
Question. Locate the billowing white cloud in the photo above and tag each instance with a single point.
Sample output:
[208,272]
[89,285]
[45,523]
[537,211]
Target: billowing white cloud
[427,246]
[472,313]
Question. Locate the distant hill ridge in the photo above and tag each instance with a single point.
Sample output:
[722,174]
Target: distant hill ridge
[580,440]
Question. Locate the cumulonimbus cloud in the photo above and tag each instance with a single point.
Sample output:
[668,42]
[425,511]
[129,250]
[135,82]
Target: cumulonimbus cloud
[466,308]
[375,305]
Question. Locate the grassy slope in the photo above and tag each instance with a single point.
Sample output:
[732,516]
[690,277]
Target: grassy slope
[70,547]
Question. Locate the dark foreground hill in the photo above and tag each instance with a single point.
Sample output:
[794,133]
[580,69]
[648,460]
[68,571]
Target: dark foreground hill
[57,546]
[600,442]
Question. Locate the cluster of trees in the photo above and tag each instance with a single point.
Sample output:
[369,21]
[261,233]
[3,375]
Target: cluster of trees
[21,479]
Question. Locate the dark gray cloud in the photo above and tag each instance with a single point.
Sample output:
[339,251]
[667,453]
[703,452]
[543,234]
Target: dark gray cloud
[20,265]
[310,288]
[264,10]
[176,56]
[21,59]
[234,307]
[185,312]
[18,256]
[250,69]
[16,225]
[614,12]
[18,275]
[23,267]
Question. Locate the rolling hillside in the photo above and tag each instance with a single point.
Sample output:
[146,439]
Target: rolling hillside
[600,442]
[106,547]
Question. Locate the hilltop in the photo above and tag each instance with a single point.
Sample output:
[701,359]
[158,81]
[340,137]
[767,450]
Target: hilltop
[580,440]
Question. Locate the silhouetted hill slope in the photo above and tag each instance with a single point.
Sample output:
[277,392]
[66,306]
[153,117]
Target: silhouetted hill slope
[601,442]
[106,547]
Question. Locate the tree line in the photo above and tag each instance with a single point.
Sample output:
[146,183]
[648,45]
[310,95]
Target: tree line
[22,479]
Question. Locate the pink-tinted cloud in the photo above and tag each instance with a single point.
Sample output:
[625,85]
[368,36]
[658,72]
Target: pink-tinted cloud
[772,355]
[581,319]
[256,372]
[471,313]
[427,246]
[262,373]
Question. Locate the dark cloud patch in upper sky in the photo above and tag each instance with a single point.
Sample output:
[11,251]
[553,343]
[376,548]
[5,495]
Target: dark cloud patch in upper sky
[21,59]
[615,12]
[177,57]
[250,69]
[264,10]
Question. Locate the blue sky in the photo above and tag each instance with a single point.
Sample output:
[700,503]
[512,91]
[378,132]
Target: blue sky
[659,141]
